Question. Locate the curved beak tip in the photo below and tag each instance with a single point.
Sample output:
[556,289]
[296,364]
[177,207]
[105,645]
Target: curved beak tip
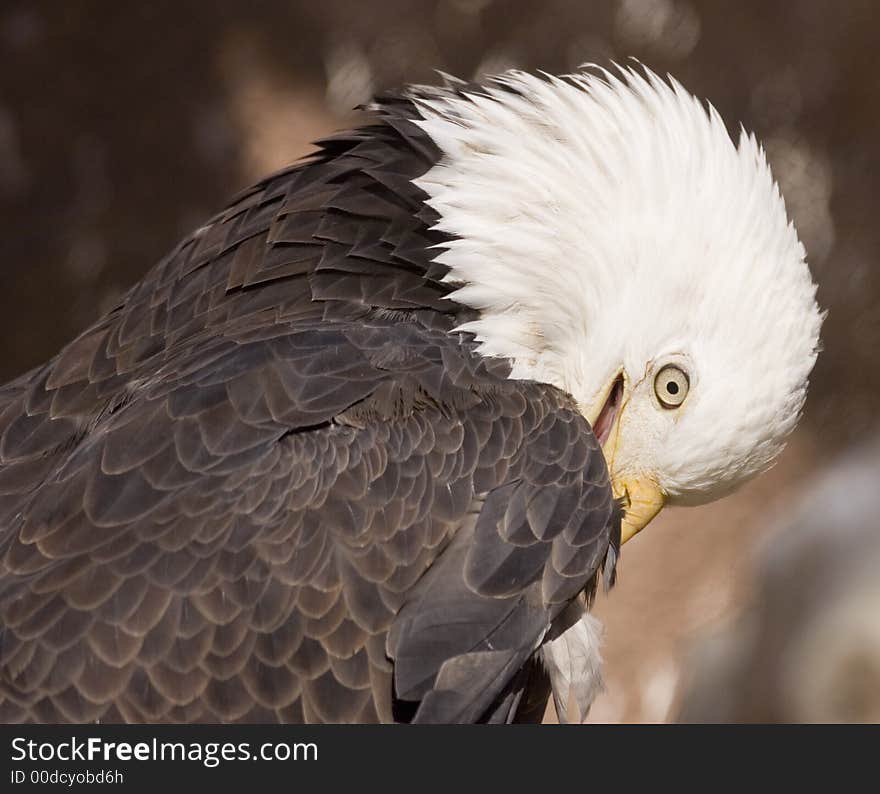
[642,499]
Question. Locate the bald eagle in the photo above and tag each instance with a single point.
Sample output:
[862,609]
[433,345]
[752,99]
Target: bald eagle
[339,456]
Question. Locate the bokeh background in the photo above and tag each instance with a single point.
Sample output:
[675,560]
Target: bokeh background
[125,125]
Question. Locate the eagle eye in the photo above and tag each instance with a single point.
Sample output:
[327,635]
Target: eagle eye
[671,386]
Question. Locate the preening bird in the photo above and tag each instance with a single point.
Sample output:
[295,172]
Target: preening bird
[339,456]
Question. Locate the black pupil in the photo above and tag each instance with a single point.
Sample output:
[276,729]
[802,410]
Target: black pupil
[672,387]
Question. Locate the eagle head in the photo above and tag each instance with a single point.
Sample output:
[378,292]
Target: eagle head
[616,243]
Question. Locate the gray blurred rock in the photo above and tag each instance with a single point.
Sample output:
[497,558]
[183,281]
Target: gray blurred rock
[809,651]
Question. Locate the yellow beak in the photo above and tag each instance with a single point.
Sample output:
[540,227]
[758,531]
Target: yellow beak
[642,497]
[642,500]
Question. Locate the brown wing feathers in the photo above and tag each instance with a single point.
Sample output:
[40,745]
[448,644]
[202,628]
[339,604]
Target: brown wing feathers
[216,501]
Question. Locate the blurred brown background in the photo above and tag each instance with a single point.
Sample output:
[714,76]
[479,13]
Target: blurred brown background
[124,126]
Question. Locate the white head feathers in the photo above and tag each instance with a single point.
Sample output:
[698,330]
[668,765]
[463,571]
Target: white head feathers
[607,222]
